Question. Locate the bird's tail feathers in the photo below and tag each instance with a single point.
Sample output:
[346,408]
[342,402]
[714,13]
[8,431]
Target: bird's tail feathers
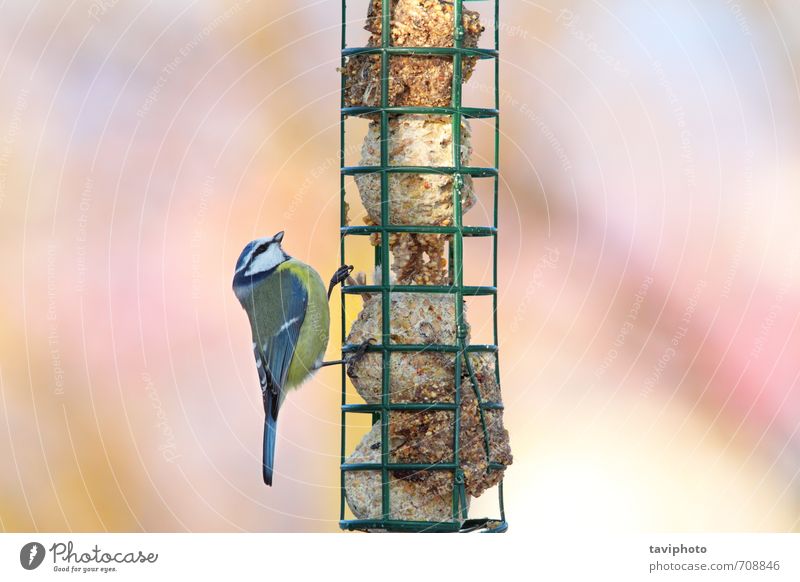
[270,436]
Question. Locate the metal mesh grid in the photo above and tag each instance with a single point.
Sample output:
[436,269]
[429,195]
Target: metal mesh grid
[456,233]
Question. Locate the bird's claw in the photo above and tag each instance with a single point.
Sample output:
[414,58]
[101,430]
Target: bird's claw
[341,275]
[357,355]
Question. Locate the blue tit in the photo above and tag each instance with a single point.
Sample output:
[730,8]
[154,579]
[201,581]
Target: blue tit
[286,303]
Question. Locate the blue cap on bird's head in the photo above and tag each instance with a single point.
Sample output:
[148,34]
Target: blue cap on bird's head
[259,257]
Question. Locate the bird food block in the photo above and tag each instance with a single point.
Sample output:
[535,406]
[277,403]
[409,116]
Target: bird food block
[414,80]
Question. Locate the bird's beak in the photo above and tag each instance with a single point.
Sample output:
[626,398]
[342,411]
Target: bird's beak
[278,237]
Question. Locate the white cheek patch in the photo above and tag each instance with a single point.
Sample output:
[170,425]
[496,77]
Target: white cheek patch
[267,260]
[246,259]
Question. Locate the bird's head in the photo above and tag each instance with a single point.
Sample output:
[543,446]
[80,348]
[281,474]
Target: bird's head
[258,259]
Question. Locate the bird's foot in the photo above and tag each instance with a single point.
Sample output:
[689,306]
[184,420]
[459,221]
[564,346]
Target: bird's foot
[356,356]
[340,276]
[350,360]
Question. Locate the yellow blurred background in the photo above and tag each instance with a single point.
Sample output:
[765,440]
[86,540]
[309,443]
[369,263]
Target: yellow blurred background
[649,248]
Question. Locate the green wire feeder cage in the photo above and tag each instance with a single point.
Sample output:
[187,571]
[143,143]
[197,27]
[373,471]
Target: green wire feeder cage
[365,70]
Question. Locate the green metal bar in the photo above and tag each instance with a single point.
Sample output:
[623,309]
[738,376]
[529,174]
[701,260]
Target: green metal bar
[415,348]
[495,223]
[385,276]
[400,406]
[496,188]
[399,466]
[477,390]
[451,275]
[414,406]
[378,254]
[454,289]
[467,112]
[422,51]
[415,467]
[400,525]
[342,257]
[501,501]
[459,499]
[466,230]
[476,172]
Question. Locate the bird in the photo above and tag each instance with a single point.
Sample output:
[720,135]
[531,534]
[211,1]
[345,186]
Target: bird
[287,307]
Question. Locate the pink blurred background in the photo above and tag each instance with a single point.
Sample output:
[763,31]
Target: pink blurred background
[649,248]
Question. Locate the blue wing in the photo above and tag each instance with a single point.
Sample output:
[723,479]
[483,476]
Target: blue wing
[283,321]
[274,355]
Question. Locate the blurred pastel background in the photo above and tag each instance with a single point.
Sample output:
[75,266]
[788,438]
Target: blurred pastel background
[649,252]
